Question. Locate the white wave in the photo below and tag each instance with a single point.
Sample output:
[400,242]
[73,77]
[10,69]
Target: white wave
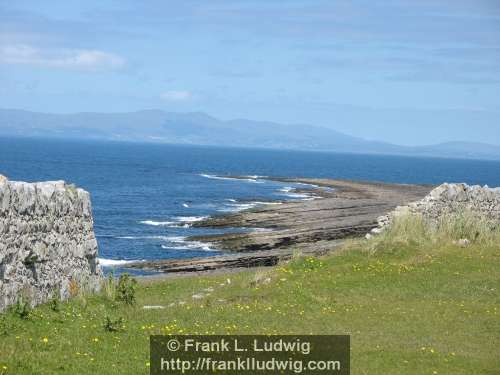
[235,207]
[180,243]
[247,178]
[298,195]
[190,219]
[305,184]
[142,237]
[115,262]
[156,223]
[232,200]
[185,205]
[271,203]
[194,245]
[183,221]
[286,189]
[215,177]
[175,238]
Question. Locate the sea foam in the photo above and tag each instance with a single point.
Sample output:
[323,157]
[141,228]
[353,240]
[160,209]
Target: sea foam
[181,243]
[244,178]
[156,223]
[115,262]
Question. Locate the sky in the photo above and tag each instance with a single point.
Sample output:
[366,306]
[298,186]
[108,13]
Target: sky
[410,72]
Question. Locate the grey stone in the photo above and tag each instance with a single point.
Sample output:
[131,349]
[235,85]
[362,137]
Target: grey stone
[47,242]
[483,202]
[463,242]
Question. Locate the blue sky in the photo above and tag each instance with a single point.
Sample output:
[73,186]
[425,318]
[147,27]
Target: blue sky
[404,71]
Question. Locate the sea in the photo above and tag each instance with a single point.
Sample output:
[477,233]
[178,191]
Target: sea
[146,197]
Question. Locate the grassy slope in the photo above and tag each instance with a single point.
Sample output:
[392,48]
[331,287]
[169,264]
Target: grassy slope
[410,309]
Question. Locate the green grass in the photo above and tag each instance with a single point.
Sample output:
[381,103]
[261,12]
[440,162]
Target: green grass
[411,306]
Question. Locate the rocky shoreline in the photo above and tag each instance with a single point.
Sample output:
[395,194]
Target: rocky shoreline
[340,209]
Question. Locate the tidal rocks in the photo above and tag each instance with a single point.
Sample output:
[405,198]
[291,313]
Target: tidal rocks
[47,243]
[345,209]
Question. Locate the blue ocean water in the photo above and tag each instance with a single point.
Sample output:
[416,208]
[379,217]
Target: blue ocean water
[146,195]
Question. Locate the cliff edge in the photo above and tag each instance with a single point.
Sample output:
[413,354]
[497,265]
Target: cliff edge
[47,243]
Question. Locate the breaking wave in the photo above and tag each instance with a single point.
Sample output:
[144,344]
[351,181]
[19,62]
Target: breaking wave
[244,178]
[181,243]
[115,262]
[156,223]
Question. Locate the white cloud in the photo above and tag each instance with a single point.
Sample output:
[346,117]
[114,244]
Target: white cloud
[21,54]
[176,95]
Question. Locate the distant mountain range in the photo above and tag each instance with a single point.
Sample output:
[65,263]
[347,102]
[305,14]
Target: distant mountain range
[201,129]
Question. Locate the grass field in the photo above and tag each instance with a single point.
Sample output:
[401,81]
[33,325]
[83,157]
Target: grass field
[411,306]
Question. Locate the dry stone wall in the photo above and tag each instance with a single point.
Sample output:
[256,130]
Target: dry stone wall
[47,243]
[449,199]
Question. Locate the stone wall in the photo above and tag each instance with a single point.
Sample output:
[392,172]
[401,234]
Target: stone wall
[449,199]
[47,242]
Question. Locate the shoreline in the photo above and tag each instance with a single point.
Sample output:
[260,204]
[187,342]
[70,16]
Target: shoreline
[340,209]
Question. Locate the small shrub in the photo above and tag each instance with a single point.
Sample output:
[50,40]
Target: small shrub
[125,290]
[54,304]
[22,309]
[114,325]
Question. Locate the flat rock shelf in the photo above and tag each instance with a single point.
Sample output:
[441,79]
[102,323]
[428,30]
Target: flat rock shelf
[317,226]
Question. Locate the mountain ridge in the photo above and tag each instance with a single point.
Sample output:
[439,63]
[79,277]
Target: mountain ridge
[199,128]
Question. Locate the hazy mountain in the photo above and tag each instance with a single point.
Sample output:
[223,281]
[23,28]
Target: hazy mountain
[199,128]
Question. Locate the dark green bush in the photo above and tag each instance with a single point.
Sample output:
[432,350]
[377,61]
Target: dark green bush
[125,290]
[55,304]
[22,309]
[114,325]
